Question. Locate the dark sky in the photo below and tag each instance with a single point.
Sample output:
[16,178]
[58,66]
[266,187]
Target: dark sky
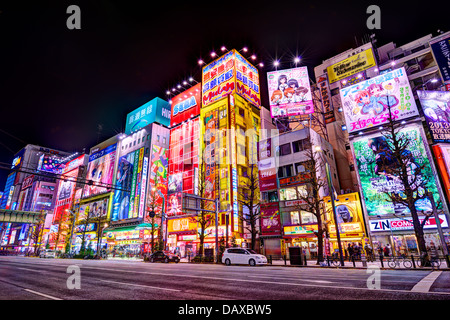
[57,85]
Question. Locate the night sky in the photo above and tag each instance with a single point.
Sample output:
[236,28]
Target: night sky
[57,86]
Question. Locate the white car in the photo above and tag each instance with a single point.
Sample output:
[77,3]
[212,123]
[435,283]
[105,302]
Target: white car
[243,256]
[47,254]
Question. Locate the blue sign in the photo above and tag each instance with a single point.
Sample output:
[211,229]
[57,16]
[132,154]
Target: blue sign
[441,52]
[156,110]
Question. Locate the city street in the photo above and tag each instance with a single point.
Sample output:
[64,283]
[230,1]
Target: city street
[46,279]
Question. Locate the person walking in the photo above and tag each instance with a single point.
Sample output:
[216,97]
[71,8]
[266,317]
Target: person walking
[350,252]
[387,251]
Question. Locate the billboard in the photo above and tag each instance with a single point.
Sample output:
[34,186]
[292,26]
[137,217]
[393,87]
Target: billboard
[289,92]
[174,205]
[349,215]
[158,175]
[228,74]
[367,103]
[18,160]
[94,209]
[156,110]
[100,170]
[211,120]
[50,163]
[370,152]
[126,204]
[441,53]
[325,97]
[186,105]
[270,219]
[436,108]
[66,186]
[267,168]
[347,67]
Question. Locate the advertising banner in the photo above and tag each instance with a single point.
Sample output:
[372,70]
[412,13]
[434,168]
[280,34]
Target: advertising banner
[247,80]
[367,103]
[405,224]
[441,53]
[186,105]
[50,163]
[211,127]
[436,108]
[128,181]
[218,79]
[66,186]
[270,219]
[325,97]
[100,170]
[370,152]
[156,110]
[174,205]
[158,174]
[348,212]
[18,160]
[289,92]
[356,63]
[28,182]
[181,225]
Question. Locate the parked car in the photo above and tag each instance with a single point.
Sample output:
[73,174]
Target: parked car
[163,256]
[243,256]
[47,254]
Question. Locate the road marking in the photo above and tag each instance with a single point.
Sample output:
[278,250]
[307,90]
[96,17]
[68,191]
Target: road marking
[287,278]
[29,269]
[42,294]
[140,285]
[425,284]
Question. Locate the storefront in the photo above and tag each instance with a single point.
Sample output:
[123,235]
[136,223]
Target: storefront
[129,242]
[301,236]
[400,235]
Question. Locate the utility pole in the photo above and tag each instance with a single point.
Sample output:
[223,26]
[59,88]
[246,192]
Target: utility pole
[441,234]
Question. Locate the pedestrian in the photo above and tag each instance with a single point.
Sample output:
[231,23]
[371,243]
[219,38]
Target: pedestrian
[369,252]
[387,251]
[350,251]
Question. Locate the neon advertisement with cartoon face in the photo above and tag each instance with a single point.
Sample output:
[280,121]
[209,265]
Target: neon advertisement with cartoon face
[367,103]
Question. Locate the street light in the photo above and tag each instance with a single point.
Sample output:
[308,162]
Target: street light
[330,190]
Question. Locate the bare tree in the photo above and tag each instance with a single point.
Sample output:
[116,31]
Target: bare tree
[310,199]
[152,207]
[248,197]
[395,160]
[203,219]
[37,233]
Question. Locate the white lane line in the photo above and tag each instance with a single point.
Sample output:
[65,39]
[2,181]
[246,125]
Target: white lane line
[425,284]
[29,269]
[139,285]
[42,294]
[288,278]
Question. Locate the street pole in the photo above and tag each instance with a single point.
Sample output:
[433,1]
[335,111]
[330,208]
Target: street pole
[330,187]
[217,230]
[441,234]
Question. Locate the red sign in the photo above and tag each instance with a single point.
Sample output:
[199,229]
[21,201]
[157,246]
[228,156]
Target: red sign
[27,182]
[186,105]
[270,219]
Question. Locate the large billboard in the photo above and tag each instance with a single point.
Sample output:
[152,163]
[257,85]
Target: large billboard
[352,65]
[158,176]
[349,215]
[229,74]
[367,103]
[100,171]
[129,176]
[156,110]
[186,105]
[289,92]
[93,210]
[436,108]
[441,53]
[372,151]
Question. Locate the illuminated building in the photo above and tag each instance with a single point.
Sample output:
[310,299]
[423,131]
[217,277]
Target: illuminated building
[144,145]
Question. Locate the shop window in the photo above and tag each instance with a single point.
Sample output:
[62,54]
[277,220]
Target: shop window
[308,217]
[295,218]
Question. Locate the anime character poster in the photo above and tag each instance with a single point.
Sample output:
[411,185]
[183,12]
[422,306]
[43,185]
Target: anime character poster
[371,152]
[174,206]
[100,170]
[175,182]
[158,175]
[211,127]
[348,214]
[289,92]
[122,195]
[367,103]
[436,108]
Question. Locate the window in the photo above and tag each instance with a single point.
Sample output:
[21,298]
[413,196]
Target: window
[295,218]
[285,149]
[308,217]
[300,167]
[241,112]
[157,138]
[164,140]
[139,140]
[285,171]
[299,145]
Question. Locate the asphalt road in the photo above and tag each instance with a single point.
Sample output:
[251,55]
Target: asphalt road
[24,278]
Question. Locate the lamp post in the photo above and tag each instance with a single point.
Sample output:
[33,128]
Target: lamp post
[330,190]
[441,234]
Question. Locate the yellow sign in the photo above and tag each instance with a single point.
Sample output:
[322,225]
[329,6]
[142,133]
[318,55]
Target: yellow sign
[301,230]
[348,213]
[182,224]
[350,66]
